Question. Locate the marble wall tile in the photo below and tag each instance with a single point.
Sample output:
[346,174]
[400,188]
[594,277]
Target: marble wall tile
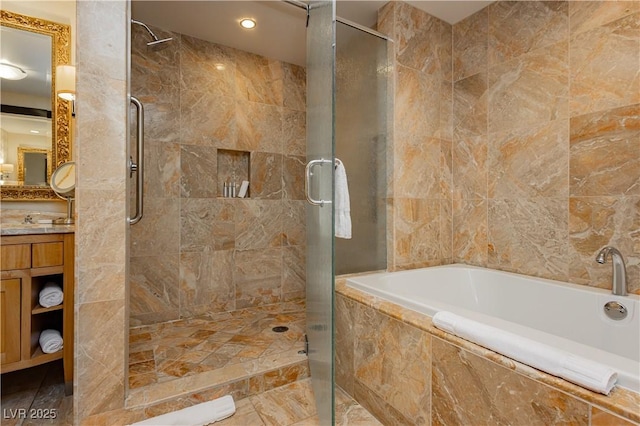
[207,223]
[445,52]
[294,223]
[233,166]
[207,66]
[198,171]
[595,222]
[470,106]
[293,177]
[446,230]
[529,162]
[446,110]
[605,153]
[595,84]
[446,169]
[386,20]
[161,114]
[295,87]
[294,132]
[392,359]
[529,236]
[158,232]
[206,282]
[377,406]
[259,79]
[152,285]
[470,235]
[470,44]
[266,176]
[547,22]
[162,170]
[258,224]
[416,32]
[286,405]
[587,15]
[207,119]
[258,277]
[603,418]
[417,167]
[530,89]
[469,158]
[417,109]
[153,70]
[294,273]
[259,127]
[344,321]
[417,230]
[468,389]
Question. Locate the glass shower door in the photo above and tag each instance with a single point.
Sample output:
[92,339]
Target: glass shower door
[319,214]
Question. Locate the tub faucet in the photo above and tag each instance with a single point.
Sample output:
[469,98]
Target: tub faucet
[619,270]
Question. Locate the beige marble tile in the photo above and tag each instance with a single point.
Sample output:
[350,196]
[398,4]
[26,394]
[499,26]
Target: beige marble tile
[344,320]
[416,32]
[446,169]
[162,172]
[259,127]
[245,415]
[446,230]
[207,223]
[595,84]
[470,44]
[470,232]
[161,114]
[446,111]
[294,223]
[157,233]
[469,158]
[417,230]
[294,132]
[531,89]
[233,167]
[207,119]
[530,162]
[287,404]
[587,15]
[206,282]
[595,222]
[258,277]
[470,106]
[207,66]
[445,51]
[603,418]
[417,108]
[529,236]
[295,87]
[417,168]
[378,407]
[258,224]
[518,27]
[152,285]
[386,19]
[259,79]
[392,359]
[468,389]
[154,69]
[198,171]
[293,177]
[294,276]
[266,178]
[354,414]
[605,153]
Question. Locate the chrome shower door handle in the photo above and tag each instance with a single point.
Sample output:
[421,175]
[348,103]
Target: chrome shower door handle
[308,172]
[138,167]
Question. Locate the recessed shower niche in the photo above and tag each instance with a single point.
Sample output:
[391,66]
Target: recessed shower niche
[233,169]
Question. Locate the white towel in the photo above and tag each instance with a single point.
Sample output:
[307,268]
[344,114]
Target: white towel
[50,295]
[586,373]
[50,341]
[196,415]
[342,203]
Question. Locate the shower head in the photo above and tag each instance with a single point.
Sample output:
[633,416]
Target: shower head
[155,40]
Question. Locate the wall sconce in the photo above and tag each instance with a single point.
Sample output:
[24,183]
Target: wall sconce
[66,82]
[5,169]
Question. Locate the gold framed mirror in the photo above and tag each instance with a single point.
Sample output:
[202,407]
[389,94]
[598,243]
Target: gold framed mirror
[34,165]
[58,111]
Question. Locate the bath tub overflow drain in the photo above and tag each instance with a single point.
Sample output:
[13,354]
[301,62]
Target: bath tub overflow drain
[280,329]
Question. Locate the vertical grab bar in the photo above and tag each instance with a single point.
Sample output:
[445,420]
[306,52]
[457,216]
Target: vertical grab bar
[308,172]
[139,166]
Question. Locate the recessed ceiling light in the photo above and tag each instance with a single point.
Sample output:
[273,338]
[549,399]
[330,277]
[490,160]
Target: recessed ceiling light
[11,72]
[34,131]
[247,23]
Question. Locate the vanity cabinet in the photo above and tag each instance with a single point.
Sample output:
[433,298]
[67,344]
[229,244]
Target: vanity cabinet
[28,263]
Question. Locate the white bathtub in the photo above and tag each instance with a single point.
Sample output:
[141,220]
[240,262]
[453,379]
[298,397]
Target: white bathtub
[566,316]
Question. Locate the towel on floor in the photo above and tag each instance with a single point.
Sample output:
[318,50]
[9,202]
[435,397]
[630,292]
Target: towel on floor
[342,204]
[196,415]
[50,341]
[581,371]
[50,295]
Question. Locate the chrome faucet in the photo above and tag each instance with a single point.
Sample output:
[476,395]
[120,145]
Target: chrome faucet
[619,270]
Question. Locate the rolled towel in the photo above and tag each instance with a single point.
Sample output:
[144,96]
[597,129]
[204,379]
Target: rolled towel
[581,371]
[50,295]
[50,341]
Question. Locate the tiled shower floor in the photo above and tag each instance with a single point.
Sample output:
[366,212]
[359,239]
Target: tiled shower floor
[173,350]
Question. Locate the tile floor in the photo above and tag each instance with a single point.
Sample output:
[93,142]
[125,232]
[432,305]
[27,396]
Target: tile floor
[167,351]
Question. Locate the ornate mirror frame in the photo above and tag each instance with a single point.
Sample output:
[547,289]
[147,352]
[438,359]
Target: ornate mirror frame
[61,110]
[26,150]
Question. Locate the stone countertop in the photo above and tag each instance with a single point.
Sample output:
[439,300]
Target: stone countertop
[7,229]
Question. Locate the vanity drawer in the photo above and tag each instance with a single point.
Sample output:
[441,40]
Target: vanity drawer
[16,256]
[47,254]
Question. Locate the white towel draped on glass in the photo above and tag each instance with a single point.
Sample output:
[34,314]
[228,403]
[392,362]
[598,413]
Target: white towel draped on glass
[342,205]
[581,371]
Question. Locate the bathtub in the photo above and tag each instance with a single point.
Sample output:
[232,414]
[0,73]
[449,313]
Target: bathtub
[567,316]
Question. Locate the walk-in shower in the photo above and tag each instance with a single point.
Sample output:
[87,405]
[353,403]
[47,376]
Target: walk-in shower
[155,40]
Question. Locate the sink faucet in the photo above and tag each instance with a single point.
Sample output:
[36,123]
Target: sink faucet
[619,270]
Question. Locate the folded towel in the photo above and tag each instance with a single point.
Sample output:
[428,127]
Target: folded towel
[50,341]
[342,204]
[50,295]
[196,415]
[586,373]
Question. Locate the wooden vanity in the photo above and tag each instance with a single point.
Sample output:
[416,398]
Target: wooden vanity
[31,259]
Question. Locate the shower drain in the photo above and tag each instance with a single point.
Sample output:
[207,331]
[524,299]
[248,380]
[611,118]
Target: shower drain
[280,329]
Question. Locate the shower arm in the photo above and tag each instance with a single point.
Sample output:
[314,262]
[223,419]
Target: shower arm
[142,24]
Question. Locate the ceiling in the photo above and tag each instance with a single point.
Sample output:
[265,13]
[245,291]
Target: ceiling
[280,33]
